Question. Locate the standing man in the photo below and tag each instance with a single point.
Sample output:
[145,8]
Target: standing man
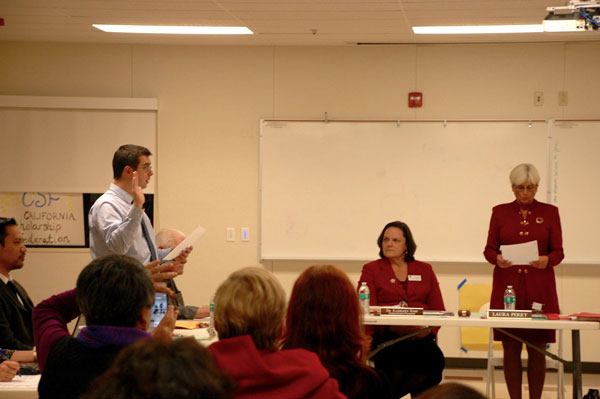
[118,223]
[16,329]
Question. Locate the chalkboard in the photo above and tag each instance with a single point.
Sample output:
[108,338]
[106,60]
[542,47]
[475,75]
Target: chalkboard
[328,188]
[55,219]
[47,219]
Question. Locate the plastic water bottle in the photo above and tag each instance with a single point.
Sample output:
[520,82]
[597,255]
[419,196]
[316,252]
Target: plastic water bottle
[211,308]
[364,296]
[509,298]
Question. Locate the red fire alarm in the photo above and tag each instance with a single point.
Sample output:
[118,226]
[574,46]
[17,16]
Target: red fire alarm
[415,99]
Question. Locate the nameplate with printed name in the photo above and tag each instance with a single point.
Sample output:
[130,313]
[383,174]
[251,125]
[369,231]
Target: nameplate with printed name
[396,311]
[509,314]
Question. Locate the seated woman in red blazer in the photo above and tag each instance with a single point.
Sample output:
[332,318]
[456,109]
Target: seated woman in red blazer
[412,365]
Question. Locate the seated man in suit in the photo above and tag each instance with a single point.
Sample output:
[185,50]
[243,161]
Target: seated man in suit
[169,239]
[16,331]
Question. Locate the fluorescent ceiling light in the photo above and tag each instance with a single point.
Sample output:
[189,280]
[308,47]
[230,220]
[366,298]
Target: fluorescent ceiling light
[481,29]
[176,30]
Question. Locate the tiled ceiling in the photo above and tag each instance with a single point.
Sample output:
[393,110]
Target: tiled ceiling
[276,22]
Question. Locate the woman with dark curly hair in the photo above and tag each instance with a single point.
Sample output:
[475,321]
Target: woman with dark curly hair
[324,317]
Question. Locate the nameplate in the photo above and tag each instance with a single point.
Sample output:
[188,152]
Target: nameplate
[509,314]
[395,311]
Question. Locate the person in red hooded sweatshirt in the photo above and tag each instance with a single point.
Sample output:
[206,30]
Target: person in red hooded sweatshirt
[249,317]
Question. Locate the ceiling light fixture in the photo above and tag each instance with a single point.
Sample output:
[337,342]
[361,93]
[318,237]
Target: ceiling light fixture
[476,29]
[176,30]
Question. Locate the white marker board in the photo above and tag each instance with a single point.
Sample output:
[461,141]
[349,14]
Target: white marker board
[327,189]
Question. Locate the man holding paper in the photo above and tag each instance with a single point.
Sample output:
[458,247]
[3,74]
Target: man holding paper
[528,268]
[118,223]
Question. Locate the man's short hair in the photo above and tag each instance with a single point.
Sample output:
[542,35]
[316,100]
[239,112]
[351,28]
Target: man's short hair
[251,301]
[127,155]
[113,290]
[3,223]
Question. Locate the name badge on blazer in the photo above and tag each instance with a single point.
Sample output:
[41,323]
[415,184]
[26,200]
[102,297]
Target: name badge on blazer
[414,277]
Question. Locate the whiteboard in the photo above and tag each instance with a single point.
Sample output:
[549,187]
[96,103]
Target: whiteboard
[327,189]
[575,156]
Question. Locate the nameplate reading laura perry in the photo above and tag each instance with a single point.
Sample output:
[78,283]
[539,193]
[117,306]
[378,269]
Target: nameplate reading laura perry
[509,314]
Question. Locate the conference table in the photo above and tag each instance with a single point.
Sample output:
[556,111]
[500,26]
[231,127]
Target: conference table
[499,323]
[26,387]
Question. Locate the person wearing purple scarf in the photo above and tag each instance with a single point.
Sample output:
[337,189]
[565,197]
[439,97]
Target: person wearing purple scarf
[115,294]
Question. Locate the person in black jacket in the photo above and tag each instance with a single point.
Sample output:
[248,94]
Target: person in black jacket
[16,330]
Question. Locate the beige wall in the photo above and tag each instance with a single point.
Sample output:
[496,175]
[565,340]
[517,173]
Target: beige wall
[210,103]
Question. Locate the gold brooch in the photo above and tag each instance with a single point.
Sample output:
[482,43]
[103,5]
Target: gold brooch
[539,220]
[392,280]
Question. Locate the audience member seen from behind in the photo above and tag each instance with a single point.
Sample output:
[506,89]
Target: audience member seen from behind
[16,330]
[520,221]
[451,390]
[163,369]
[169,239]
[324,317]
[416,364]
[249,314]
[115,294]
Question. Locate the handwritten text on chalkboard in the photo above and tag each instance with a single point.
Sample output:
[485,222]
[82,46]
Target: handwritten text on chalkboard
[46,219]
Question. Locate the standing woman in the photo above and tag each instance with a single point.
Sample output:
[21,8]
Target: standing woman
[524,220]
[416,364]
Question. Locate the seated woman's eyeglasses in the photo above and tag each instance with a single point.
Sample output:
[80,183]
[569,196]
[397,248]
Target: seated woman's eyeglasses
[530,187]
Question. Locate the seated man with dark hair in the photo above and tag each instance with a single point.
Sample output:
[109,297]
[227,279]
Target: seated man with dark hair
[16,331]
[115,294]
[158,369]
[249,313]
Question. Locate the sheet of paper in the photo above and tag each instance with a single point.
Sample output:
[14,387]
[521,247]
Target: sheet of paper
[21,383]
[188,242]
[520,254]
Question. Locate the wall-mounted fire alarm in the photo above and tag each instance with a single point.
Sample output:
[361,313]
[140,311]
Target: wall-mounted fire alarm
[415,99]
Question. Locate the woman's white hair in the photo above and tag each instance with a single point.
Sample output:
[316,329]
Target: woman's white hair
[524,173]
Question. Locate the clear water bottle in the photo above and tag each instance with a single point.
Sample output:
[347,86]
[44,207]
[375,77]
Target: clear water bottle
[211,327]
[364,296]
[509,298]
